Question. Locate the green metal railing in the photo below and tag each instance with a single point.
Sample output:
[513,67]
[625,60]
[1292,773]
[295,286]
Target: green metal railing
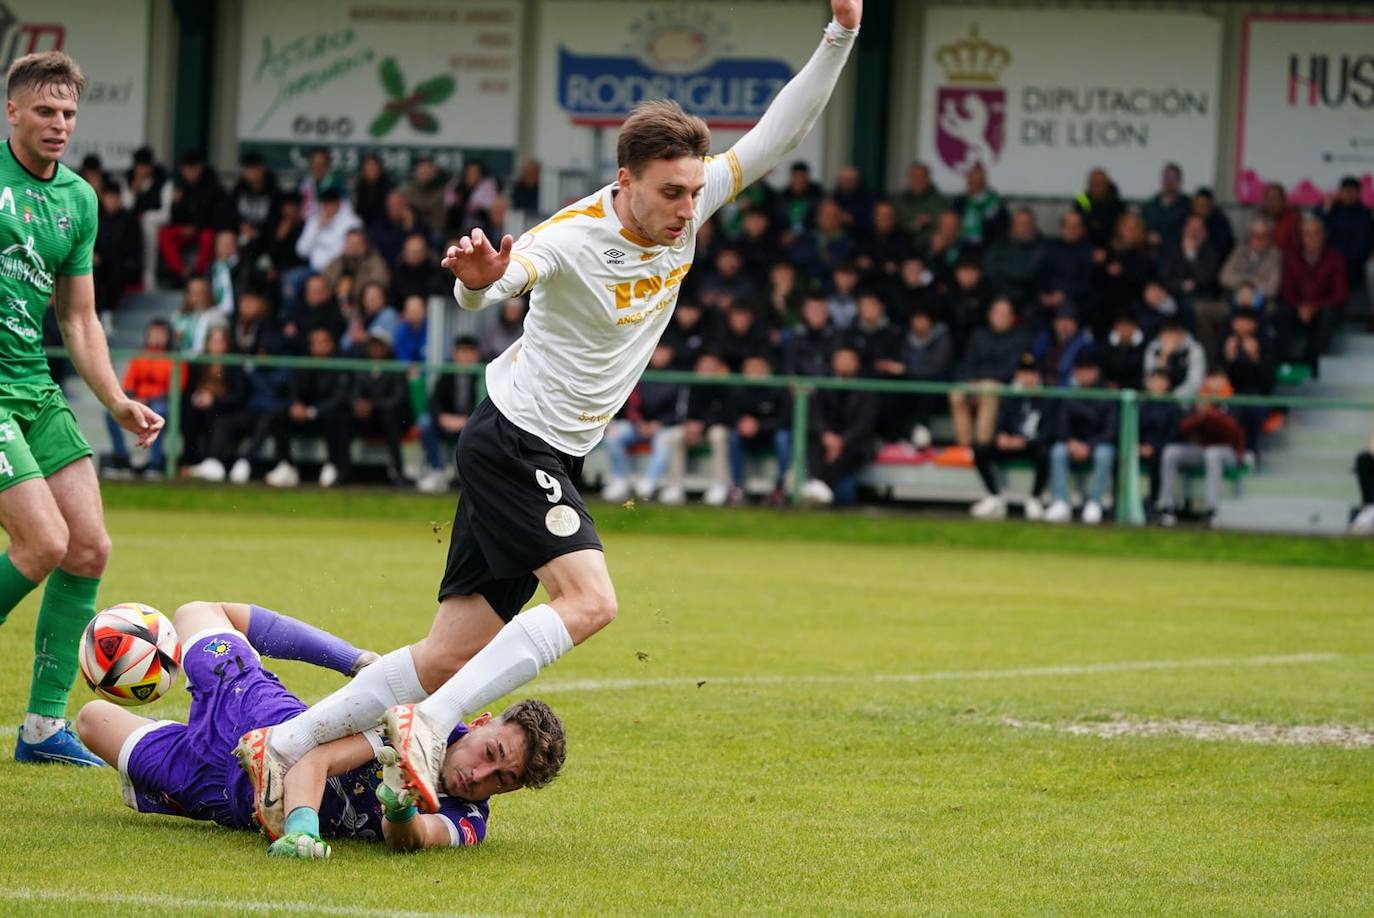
[1129,504]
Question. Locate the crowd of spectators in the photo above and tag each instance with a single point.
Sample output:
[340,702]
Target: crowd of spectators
[925,284]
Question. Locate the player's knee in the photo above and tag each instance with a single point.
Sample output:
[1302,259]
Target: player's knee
[184,617]
[46,547]
[596,608]
[88,719]
[87,552]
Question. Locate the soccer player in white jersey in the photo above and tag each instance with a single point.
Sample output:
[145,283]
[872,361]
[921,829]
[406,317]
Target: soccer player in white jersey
[603,276]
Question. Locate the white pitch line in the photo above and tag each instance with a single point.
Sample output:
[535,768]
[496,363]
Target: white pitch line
[1020,672]
[242,905]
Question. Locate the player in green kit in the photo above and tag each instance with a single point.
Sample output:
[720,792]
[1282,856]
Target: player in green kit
[49,496]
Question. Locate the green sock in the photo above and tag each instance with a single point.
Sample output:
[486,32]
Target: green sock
[14,586]
[68,604]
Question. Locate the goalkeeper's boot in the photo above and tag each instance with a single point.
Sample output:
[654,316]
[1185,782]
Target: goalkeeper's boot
[268,778]
[62,748]
[419,753]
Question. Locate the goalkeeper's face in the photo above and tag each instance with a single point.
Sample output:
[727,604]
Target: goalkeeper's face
[488,760]
[664,197]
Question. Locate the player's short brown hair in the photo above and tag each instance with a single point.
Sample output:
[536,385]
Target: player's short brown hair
[660,129]
[547,746]
[43,69]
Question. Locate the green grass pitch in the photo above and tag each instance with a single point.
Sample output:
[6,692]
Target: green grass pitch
[794,714]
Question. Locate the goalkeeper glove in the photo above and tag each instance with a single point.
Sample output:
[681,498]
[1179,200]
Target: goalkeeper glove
[398,803]
[301,838]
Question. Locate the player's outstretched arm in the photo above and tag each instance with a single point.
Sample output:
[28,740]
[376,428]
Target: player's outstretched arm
[486,274]
[798,105]
[305,789]
[85,339]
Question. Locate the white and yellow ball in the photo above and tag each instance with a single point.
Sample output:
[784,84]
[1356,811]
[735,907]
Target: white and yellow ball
[130,654]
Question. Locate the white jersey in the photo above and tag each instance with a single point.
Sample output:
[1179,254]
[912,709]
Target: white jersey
[601,295]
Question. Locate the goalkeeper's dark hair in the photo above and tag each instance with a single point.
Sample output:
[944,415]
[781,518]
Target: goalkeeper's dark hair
[44,69]
[546,744]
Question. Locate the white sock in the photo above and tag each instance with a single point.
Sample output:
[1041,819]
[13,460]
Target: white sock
[530,642]
[37,727]
[356,707]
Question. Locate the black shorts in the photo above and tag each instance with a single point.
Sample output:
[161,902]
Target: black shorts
[518,509]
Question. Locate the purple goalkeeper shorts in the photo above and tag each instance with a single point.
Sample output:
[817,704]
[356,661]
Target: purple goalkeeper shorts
[189,769]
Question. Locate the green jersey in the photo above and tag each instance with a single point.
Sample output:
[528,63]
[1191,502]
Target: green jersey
[47,230]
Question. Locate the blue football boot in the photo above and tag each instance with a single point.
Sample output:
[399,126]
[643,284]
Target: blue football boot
[62,748]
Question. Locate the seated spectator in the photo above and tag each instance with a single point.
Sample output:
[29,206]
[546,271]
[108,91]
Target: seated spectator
[286,267]
[356,266]
[1211,438]
[256,199]
[762,419]
[1121,273]
[760,199]
[1067,271]
[1285,219]
[819,251]
[842,430]
[727,282]
[758,248]
[251,324]
[1012,266]
[192,318]
[322,239]
[1157,306]
[197,211]
[855,200]
[1085,433]
[812,342]
[1022,432]
[946,247]
[965,302]
[1122,355]
[451,403]
[879,344]
[229,273]
[1258,262]
[1059,346]
[708,422]
[1101,208]
[885,244]
[1165,212]
[1219,232]
[741,336]
[425,192]
[1158,428]
[373,314]
[913,286]
[994,352]
[501,335]
[843,302]
[1191,271]
[919,204]
[784,300]
[471,200]
[379,407]
[1315,288]
[320,310]
[653,415]
[417,272]
[1248,359]
[118,256]
[927,355]
[1350,226]
[213,392]
[147,379]
[1363,522]
[370,190]
[412,332]
[799,202]
[321,405]
[268,395]
[982,217]
[320,177]
[524,191]
[1176,352]
[397,225]
[148,195]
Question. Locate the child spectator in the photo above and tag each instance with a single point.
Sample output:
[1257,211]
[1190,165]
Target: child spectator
[762,421]
[843,302]
[1177,353]
[1060,345]
[653,415]
[213,392]
[379,407]
[1314,291]
[843,424]
[320,406]
[412,332]
[927,356]
[450,404]
[1212,439]
[1123,355]
[1248,359]
[1085,433]
[1022,433]
[1158,428]
[994,352]
[149,380]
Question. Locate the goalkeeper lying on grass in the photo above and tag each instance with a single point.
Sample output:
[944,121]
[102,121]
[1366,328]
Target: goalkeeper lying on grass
[345,789]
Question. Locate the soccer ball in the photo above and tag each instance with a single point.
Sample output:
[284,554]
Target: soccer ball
[130,654]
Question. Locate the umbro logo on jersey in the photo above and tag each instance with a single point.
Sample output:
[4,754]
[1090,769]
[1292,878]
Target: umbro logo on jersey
[614,256]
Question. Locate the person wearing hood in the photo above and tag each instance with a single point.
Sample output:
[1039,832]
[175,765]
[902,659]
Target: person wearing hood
[1179,354]
[1058,346]
[1101,206]
[927,356]
[1123,355]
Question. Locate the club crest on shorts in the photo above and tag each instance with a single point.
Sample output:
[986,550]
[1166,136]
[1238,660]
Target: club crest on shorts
[217,646]
[562,520]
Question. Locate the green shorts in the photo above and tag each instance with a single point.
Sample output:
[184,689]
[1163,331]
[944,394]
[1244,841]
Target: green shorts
[38,433]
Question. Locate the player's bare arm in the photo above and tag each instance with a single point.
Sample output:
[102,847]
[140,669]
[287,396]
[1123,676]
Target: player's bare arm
[85,339]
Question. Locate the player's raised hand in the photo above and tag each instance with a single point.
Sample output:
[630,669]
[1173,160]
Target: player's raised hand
[848,12]
[474,261]
[137,418]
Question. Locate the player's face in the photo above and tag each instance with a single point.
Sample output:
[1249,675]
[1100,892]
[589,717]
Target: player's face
[663,197]
[42,121]
[489,760]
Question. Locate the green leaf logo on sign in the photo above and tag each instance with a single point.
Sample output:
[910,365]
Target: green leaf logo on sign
[412,106]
